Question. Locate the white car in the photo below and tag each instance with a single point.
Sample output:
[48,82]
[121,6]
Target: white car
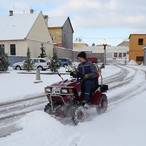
[40,63]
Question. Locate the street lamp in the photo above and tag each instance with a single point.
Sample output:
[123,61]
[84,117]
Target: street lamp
[104,56]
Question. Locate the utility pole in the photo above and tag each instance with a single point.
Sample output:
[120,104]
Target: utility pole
[104,56]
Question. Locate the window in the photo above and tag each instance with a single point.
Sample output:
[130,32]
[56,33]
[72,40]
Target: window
[120,54]
[12,49]
[36,60]
[140,41]
[124,54]
[41,60]
[115,54]
[139,58]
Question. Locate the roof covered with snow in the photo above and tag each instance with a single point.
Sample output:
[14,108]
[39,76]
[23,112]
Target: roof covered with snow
[16,27]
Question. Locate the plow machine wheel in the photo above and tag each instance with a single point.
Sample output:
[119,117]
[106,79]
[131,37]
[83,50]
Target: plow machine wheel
[102,106]
[47,108]
[79,115]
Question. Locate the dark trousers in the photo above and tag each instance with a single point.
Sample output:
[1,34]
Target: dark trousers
[87,86]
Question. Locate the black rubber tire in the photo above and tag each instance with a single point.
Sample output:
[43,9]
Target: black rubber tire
[102,107]
[47,109]
[18,68]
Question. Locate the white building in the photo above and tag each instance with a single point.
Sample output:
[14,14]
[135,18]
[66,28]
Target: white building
[112,52]
[18,32]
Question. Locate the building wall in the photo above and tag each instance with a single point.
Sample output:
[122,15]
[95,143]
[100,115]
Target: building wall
[112,52]
[136,50]
[63,52]
[56,34]
[21,46]
[72,54]
[38,35]
[69,53]
[67,35]
[144,56]
[79,45]
[62,36]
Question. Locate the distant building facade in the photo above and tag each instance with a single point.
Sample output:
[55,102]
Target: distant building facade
[18,32]
[78,43]
[61,31]
[112,52]
[136,47]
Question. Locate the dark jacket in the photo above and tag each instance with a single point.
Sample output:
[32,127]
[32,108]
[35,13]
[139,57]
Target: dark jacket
[87,68]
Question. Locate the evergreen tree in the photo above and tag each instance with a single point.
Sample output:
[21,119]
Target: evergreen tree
[43,52]
[93,44]
[4,61]
[54,63]
[28,64]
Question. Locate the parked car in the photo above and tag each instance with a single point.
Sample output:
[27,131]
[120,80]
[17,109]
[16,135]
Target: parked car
[65,61]
[41,63]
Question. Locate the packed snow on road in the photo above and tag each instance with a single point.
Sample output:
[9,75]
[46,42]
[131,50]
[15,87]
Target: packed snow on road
[123,124]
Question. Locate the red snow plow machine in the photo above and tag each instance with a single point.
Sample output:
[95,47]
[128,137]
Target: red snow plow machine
[65,99]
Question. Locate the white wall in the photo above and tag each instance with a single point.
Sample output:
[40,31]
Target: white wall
[20,47]
[110,50]
[37,35]
[40,34]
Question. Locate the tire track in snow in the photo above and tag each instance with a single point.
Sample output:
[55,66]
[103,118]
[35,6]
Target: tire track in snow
[136,86]
[10,112]
[116,81]
[117,85]
[124,77]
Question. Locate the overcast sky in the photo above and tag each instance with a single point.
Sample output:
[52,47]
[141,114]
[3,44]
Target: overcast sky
[94,21]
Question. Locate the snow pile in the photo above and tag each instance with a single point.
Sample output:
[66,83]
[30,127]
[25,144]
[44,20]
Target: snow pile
[123,125]
[131,62]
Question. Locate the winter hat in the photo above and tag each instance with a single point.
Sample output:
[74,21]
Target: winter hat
[82,55]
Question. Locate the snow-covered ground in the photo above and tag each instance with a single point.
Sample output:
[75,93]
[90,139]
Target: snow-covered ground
[17,85]
[122,125]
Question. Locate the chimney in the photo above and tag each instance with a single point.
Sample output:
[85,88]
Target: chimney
[11,13]
[46,19]
[31,11]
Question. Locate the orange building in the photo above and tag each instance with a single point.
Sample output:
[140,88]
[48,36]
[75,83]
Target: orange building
[136,45]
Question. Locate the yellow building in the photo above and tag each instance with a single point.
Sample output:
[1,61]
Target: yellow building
[78,43]
[136,45]
[61,31]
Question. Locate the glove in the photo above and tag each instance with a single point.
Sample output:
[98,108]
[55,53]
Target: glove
[73,74]
[85,76]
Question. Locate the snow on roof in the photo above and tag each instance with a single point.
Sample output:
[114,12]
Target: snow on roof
[16,27]
[57,21]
